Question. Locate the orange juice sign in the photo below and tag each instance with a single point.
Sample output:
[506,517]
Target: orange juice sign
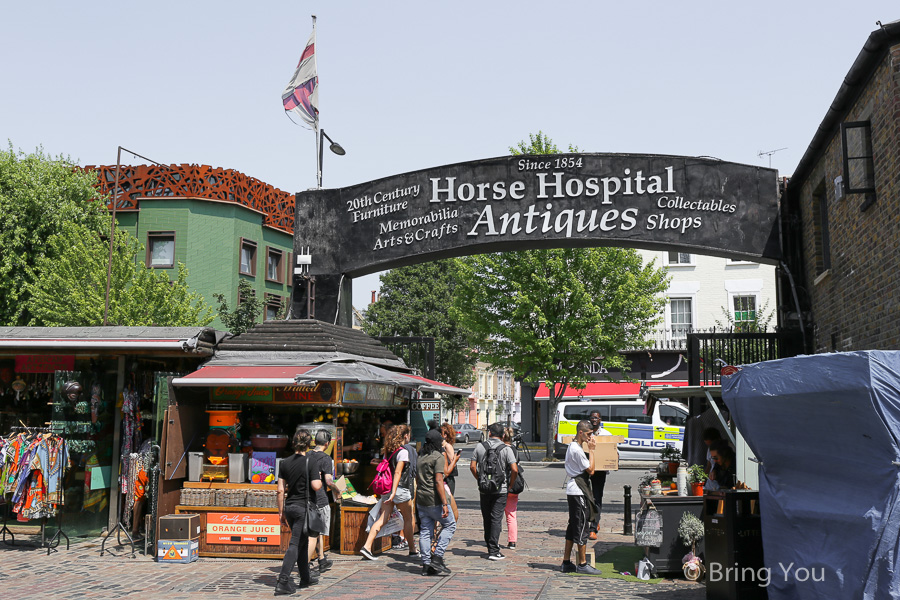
[241,394]
[239,528]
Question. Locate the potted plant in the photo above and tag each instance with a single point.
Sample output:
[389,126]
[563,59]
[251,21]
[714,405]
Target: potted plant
[645,484]
[696,477]
[672,456]
[690,530]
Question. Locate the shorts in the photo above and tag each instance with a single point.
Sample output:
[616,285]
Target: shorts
[402,495]
[577,531]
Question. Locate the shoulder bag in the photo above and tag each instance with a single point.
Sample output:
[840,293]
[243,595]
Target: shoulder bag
[316,521]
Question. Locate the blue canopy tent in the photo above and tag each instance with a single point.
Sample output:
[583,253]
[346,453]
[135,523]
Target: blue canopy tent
[826,429]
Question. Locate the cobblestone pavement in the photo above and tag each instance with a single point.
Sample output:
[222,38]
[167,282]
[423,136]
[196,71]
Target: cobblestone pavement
[531,571]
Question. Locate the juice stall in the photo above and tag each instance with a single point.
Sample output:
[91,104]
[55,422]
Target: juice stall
[230,426]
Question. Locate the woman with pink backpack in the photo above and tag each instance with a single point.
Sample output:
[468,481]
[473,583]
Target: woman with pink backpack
[401,488]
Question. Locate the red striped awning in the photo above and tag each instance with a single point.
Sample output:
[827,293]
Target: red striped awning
[222,375]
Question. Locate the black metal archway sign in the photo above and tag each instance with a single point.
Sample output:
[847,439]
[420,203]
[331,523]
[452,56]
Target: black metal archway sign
[699,205]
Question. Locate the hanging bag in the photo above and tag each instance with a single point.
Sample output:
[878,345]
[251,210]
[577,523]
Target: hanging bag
[316,520]
[648,529]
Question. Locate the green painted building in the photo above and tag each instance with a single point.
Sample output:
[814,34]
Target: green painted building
[223,225]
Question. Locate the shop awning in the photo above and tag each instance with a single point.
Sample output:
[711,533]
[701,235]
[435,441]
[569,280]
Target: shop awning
[214,375]
[604,389]
[347,372]
[359,372]
[436,387]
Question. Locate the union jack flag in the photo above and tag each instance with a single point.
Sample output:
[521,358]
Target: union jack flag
[301,95]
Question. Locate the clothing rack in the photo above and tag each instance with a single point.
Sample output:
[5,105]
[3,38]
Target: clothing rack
[119,529]
[55,541]
[4,530]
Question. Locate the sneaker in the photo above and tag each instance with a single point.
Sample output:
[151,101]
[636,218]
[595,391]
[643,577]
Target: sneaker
[592,535]
[511,546]
[568,566]
[324,564]
[313,567]
[401,545]
[586,569]
[367,554]
[496,556]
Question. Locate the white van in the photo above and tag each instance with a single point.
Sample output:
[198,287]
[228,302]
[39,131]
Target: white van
[645,435]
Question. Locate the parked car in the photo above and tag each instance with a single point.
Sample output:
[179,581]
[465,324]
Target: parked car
[467,433]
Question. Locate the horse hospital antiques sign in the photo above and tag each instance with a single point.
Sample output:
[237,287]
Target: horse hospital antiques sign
[698,205]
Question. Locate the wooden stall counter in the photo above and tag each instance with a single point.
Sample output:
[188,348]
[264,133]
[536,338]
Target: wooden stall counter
[352,531]
[239,531]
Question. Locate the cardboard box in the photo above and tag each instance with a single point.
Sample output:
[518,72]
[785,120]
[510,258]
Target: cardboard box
[177,551]
[606,453]
[179,527]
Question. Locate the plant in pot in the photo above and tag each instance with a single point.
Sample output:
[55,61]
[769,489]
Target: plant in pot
[696,477]
[672,456]
[645,484]
[690,530]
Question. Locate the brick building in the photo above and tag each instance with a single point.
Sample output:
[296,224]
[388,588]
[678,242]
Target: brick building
[223,225]
[841,212]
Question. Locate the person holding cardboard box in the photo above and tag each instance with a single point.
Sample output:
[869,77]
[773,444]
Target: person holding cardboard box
[582,510]
[598,479]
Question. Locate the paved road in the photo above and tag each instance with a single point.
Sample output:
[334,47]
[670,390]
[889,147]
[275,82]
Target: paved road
[531,571]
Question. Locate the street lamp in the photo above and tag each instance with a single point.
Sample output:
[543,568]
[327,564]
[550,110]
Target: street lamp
[334,147]
[112,227]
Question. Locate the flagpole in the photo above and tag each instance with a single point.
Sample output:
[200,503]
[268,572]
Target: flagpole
[316,124]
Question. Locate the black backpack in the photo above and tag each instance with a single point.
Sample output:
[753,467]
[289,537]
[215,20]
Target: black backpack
[519,485]
[491,476]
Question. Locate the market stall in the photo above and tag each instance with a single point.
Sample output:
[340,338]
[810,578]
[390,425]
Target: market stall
[232,427]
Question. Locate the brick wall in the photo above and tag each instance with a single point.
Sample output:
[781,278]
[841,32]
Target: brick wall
[856,303]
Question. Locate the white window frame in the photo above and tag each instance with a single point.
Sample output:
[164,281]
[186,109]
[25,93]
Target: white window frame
[669,325]
[665,259]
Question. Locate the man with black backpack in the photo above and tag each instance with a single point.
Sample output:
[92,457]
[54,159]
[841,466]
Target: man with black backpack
[494,468]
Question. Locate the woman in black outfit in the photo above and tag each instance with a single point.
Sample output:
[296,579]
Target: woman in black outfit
[297,487]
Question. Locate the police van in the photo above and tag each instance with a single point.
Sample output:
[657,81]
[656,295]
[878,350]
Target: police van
[645,435]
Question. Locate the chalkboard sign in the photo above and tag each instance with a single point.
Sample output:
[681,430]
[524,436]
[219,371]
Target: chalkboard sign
[648,530]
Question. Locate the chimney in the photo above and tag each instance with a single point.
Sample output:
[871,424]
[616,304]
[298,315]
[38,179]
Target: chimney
[373,297]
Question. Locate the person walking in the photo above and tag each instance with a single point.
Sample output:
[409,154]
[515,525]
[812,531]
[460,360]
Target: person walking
[451,470]
[598,479]
[296,484]
[401,489]
[321,464]
[490,464]
[512,500]
[433,505]
[579,468]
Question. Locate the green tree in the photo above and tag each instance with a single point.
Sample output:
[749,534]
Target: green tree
[69,285]
[246,314]
[547,314]
[39,197]
[416,301]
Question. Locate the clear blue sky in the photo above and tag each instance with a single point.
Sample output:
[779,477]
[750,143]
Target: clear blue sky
[410,85]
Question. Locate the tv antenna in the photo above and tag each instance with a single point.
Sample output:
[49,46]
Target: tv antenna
[769,153]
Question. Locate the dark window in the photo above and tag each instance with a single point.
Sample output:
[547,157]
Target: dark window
[273,307]
[679,258]
[274,265]
[581,412]
[859,163]
[161,249]
[820,230]
[248,258]
[629,414]
[672,416]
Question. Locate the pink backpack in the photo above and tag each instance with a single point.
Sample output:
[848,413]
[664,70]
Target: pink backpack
[384,478]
